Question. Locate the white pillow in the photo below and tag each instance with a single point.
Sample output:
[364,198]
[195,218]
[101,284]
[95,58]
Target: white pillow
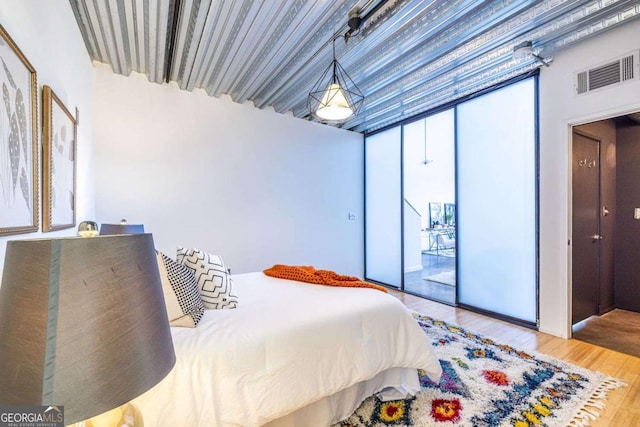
[181,295]
[213,278]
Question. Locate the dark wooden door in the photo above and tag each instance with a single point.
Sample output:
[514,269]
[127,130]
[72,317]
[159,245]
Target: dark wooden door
[585,241]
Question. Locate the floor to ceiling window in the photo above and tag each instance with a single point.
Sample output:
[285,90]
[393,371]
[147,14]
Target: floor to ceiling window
[451,204]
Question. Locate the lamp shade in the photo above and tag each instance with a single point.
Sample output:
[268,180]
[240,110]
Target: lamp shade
[334,105]
[111,229]
[82,323]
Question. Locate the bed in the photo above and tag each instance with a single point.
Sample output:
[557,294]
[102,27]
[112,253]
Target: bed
[290,354]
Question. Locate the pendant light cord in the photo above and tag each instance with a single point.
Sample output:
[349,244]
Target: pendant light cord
[425,141]
[334,79]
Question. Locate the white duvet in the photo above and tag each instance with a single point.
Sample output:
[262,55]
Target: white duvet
[287,345]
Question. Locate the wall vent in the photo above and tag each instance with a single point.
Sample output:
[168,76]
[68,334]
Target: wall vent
[613,72]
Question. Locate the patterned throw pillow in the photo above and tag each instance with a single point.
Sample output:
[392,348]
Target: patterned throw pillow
[181,295]
[214,280]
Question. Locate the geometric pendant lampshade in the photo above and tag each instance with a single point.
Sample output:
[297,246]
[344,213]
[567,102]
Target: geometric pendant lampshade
[83,323]
[334,97]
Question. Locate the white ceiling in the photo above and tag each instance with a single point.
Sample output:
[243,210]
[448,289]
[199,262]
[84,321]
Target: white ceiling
[408,56]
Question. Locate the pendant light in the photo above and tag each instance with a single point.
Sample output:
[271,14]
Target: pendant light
[335,97]
[426,161]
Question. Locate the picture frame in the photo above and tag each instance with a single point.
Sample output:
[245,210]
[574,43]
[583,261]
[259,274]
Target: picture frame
[59,145]
[450,214]
[435,214]
[19,192]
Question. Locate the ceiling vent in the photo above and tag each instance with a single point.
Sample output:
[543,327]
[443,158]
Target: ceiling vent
[614,72]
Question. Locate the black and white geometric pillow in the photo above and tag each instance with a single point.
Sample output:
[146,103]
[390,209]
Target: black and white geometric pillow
[185,289]
[213,278]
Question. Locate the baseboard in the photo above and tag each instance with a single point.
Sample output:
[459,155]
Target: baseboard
[607,309]
[412,269]
[554,332]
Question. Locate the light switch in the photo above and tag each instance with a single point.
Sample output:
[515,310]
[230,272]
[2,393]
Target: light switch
[636,213]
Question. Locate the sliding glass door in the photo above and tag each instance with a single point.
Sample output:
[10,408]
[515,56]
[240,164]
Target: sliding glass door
[496,139]
[429,226]
[383,242]
[451,204]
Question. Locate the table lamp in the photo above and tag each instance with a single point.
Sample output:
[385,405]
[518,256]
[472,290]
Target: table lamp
[82,323]
[122,228]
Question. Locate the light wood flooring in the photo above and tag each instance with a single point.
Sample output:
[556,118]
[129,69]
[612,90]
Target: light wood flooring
[622,406]
[618,330]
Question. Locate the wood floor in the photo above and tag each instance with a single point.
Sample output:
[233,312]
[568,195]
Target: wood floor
[622,406]
[618,330]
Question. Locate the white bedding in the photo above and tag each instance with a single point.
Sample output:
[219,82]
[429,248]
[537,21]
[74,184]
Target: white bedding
[286,346]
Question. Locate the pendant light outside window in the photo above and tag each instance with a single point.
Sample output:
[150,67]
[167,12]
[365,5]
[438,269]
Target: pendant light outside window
[426,160]
[334,97]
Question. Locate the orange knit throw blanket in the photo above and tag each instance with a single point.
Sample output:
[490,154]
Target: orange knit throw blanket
[306,273]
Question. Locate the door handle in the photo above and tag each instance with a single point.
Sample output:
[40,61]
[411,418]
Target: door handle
[596,237]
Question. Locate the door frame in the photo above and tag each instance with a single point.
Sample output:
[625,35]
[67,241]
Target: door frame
[560,110]
[570,124]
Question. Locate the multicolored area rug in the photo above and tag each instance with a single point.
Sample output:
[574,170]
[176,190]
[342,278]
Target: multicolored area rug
[488,384]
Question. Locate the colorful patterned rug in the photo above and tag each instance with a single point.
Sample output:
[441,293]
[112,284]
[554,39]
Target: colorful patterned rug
[488,384]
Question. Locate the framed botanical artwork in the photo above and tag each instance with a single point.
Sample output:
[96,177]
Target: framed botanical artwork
[19,201]
[450,214]
[59,130]
[435,214]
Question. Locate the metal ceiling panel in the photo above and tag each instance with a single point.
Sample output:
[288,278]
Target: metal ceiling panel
[408,56]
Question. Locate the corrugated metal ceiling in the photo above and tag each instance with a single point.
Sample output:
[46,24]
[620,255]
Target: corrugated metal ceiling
[408,56]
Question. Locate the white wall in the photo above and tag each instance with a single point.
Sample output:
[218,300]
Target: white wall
[47,33]
[559,109]
[435,181]
[254,186]
[412,239]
